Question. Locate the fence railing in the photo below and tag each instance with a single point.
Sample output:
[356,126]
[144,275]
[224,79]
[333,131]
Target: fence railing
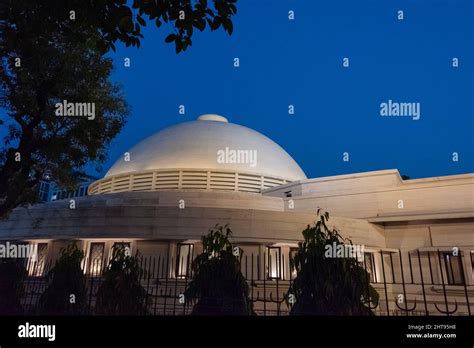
[408,283]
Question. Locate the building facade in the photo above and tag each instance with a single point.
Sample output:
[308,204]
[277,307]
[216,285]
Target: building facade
[168,190]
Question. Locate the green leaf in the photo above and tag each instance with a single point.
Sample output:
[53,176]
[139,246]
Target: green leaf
[126,24]
[228,26]
[200,24]
[141,21]
[170,38]
[179,46]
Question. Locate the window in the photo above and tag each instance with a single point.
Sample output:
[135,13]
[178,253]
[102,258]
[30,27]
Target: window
[44,191]
[40,261]
[293,252]
[96,258]
[184,257]
[454,270]
[274,262]
[369,265]
[472,263]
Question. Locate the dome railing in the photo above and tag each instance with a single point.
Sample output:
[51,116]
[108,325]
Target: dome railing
[185,179]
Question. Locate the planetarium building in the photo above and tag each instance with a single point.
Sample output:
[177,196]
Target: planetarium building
[165,193]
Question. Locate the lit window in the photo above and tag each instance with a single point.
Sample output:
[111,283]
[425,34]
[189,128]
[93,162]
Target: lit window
[274,262]
[369,265]
[293,252]
[184,258]
[38,266]
[472,263]
[454,270]
[96,257]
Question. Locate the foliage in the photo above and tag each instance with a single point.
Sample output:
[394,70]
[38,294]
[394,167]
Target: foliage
[53,67]
[118,20]
[328,285]
[185,15]
[121,292]
[66,278]
[12,273]
[50,54]
[218,285]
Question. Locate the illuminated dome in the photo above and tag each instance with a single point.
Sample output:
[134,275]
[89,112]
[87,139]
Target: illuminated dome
[209,153]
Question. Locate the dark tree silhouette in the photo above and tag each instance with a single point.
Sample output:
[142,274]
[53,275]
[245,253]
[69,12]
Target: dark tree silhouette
[51,69]
[53,51]
[66,292]
[328,285]
[218,286]
[12,274]
[118,20]
[121,292]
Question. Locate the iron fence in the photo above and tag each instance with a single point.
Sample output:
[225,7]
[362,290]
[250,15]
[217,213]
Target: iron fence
[409,283]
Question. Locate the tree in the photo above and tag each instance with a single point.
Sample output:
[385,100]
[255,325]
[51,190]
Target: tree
[52,69]
[53,51]
[66,292]
[12,274]
[218,286]
[328,285]
[117,20]
[121,292]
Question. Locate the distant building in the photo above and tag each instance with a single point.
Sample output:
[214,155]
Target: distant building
[45,189]
[49,191]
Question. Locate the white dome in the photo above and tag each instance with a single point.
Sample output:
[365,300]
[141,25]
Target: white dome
[209,144]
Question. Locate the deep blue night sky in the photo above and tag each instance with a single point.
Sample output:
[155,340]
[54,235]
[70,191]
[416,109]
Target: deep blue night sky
[299,62]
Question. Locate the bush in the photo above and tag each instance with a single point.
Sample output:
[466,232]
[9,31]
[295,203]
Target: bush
[121,292]
[12,273]
[328,285]
[218,286]
[66,292]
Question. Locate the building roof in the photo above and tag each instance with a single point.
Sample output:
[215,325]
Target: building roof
[195,145]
